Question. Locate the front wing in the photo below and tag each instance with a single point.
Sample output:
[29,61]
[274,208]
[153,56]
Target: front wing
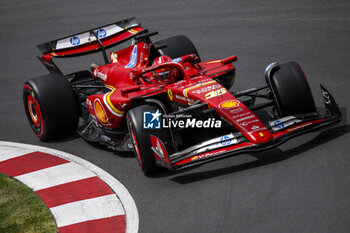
[281,129]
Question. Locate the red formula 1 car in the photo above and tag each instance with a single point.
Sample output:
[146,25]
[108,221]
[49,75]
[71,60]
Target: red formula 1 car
[165,104]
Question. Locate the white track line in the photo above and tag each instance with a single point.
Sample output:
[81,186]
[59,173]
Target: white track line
[132,216]
[53,176]
[85,210]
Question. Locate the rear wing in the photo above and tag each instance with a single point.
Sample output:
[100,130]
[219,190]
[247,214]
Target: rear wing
[90,41]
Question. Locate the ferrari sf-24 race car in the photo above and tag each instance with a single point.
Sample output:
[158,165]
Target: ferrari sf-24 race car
[165,104]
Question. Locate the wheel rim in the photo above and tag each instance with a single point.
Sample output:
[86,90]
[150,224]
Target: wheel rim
[34,111]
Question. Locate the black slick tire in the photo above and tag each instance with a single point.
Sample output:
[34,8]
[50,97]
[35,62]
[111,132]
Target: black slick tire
[50,106]
[141,138]
[291,89]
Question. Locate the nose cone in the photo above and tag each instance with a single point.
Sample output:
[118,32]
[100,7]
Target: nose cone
[230,108]
[245,121]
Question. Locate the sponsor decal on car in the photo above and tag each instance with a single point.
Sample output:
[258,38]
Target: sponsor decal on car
[100,75]
[206,155]
[101,33]
[170,94]
[283,123]
[245,118]
[299,127]
[180,97]
[188,100]
[74,40]
[185,91]
[133,58]
[225,140]
[206,89]
[215,93]
[177,59]
[87,37]
[278,124]
[114,57]
[249,122]
[240,115]
[141,58]
[229,104]
[258,129]
[236,110]
[255,127]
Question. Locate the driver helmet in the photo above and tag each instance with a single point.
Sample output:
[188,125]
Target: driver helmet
[163,74]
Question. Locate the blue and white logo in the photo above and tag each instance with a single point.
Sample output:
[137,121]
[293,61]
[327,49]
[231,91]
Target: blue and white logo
[101,33]
[278,124]
[151,120]
[74,40]
[224,142]
[177,59]
[133,58]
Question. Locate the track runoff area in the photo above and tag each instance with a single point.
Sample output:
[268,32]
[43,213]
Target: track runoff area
[81,196]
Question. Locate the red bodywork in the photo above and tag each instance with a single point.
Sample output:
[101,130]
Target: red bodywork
[195,83]
[128,76]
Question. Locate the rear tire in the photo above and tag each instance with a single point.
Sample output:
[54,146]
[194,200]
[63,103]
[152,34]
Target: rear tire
[141,137]
[178,46]
[291,89]
[50,106]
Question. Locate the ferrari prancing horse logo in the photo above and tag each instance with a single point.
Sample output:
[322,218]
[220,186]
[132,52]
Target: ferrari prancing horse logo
[170,94]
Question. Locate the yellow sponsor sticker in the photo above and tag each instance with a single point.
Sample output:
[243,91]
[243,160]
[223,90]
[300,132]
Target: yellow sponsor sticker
[170,94]
[229,104]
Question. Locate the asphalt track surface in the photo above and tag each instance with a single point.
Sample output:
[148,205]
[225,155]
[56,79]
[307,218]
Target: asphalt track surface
[301,186]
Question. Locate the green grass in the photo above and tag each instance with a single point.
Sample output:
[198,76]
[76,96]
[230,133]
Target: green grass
[21,210]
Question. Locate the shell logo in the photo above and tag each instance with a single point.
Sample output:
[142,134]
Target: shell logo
[229,104]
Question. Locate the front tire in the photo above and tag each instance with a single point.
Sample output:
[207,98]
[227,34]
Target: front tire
[50,106]
[291,89]
[141,137]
